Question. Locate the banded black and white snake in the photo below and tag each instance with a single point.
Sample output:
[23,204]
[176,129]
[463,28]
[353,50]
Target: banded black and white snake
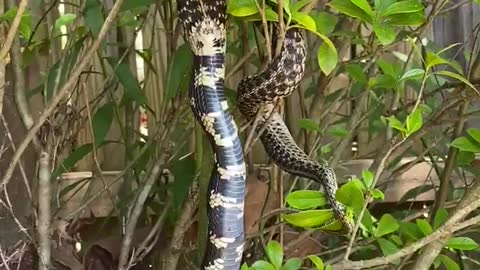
[204,22]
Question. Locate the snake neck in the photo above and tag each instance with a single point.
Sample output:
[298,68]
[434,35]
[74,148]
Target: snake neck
[280,78]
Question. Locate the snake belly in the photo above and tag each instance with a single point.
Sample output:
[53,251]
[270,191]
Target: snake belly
[260,92]
[204,24]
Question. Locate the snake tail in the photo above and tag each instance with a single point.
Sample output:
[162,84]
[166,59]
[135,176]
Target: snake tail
[204,25]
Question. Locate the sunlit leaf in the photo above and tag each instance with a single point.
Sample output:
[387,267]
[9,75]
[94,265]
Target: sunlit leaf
[306,199]
[386,225]
[275,253]
[292,264]
[424,226]
[407,6]
[448,262]
[462,243]
[316,261]
[263,265]
[466,144]
[310,218]
[348,8]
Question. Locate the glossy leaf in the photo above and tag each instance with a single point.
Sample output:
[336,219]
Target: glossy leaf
[348,8]
[305,20]
[384,32]
[275,253]
[387,247]
[367,177]
[414,122]
[396,124]
[409,19]
[440,217]
[424,226]
[407,6]
[474,133]
[242,8]
[306,199]
[325,22]
[309,218]
[292,264]
[387,224]
[263,265]
[327,58]
[364,5]
[448,262]
[350,194]
[316,261]
[377,194]
[413,74]
[466,144]
[462,243]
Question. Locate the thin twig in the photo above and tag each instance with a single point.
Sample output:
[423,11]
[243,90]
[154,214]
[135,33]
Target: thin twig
[135,214]
[61,93]
[44,212]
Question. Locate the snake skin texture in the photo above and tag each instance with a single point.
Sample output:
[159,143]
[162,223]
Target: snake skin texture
[204,25]
[280,78]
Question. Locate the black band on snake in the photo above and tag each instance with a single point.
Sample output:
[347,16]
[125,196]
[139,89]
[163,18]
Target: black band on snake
[204,24]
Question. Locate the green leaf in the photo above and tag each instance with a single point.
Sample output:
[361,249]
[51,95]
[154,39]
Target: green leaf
[384,32]
[94,18]
[356,72]
[387,224]
[263,265]
[244,266]
[275,253]
[310,218]
[474,133]
[440,217]
[25,22]
[388,248]
[327,58]
[306,199]
[348,8]
[449,263]
[377,194]
[71,160]
[325,22]
[367,178]
[131,86]
[308,124]
[299,5]
[64,20]
[182,62]
[286,7]
[364,5]
[101,122]
[350,194]
[466,144]
[462,243]
[409,19]
[396,124]
[367,221]
[292,264]
[414,121]
[305,20]
[464,158]
[338,131]
[410,230]
[424,226]
[242,8]
[413,74]
[317,261]
[408,6]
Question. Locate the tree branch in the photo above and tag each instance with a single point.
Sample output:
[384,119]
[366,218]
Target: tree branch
[61,93]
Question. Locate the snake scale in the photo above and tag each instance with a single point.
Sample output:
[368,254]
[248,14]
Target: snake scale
[204,23]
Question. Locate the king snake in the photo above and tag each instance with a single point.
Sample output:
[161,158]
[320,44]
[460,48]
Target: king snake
[204,23]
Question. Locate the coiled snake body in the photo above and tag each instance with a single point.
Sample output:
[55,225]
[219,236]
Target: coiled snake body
[204,24]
